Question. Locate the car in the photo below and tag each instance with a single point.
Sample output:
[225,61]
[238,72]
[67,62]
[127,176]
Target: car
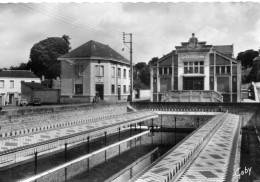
[36,102]
[24,102]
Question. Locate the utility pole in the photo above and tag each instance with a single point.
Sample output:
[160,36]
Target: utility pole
[131,62]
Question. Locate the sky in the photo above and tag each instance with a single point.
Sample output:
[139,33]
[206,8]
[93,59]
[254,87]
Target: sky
[156,27]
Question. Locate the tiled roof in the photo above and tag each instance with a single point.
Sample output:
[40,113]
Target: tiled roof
[94,49]
[17,74]
[34,85]
[225,49]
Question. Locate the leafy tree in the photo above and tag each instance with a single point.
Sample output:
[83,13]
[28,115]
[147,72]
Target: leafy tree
[141,76]
[22,66]
[44,56]
[247,58]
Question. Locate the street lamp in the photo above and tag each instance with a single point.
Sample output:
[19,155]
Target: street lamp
[131,63]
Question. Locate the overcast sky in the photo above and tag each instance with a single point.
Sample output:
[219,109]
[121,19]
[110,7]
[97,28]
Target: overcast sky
[156,27]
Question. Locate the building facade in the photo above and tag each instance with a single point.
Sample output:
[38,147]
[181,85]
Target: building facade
[10,85]
[91,70]
[197,66]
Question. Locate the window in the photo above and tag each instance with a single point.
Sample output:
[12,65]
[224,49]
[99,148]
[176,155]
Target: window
[112,89]
[160,71]
[124,73]
[2,84]
[99,70]
[11,83]
[113,72]
[217,69]
[165,71]
[228,69]
[124,88]
[223,69]
[119,72]
[170,70]
[78,70]
[194,67]
[129,73]
[78,88]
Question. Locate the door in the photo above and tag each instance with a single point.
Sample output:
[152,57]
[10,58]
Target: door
[100,91]
[193,83]
[119,92]
[11,99]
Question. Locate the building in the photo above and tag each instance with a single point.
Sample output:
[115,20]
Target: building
[196,66]
[32,90]
[10,85]
[94,69]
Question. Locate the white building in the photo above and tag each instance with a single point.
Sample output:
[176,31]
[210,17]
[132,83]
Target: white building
[10,85]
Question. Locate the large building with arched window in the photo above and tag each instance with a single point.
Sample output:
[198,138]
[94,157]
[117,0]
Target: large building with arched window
[195,68]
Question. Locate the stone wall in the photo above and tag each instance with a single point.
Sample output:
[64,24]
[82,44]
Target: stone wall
[168,121]
[31,120]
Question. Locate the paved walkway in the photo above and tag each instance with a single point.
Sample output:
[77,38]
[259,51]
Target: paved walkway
[212,163]
[213,158]
[15,142]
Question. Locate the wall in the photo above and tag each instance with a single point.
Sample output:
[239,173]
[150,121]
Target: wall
[26,92]
[66,78]
[26,120]
[47,96]
[132,170]
[182,121]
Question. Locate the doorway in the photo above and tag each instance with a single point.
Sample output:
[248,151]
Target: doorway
[11,99]
[193,83]
[100,91]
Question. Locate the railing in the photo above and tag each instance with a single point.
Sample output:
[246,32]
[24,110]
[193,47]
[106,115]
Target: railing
[192,96]
[87,156]
[13,154]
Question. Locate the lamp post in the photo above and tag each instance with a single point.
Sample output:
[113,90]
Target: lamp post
[131,63]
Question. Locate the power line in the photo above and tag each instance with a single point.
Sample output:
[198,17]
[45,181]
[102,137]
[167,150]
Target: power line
[63,20]
[65,14]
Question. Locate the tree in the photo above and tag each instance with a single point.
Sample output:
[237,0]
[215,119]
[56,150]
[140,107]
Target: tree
[141,76]
[22,66]
[44,56]
[247,58]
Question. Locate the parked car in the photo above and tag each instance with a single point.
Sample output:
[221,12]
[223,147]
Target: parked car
[24,102]
[36,101]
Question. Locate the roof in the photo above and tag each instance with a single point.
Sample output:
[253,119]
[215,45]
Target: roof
[93,49]
[257,58]
[225,49]
[17,74]
[34,85]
